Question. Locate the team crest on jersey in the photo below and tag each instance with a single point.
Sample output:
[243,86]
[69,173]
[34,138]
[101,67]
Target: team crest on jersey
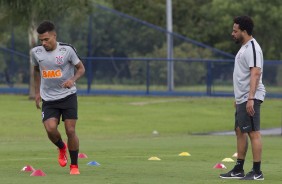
[38,51]
[59,60]
[62,50]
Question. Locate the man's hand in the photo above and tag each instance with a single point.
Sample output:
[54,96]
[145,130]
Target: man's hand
[68,84]
[250,107]
[37,101]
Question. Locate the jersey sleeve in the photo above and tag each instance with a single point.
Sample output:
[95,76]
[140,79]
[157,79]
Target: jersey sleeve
[33,59]
[74,59]
[254,57]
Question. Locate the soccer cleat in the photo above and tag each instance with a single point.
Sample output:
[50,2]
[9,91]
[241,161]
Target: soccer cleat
[74,170]
[252,175]
[62,157]
[233,174]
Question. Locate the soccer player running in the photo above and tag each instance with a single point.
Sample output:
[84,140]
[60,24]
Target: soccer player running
[249,94]
[56,69]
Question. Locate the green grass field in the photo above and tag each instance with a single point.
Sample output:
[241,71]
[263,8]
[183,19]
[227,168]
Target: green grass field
[117,133]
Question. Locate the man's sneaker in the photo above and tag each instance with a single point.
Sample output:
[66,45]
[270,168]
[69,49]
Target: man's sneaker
[74,169]
[62,157]
[233,175]
[253,176]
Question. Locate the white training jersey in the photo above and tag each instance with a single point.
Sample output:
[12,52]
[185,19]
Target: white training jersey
[250,55]
[55,67]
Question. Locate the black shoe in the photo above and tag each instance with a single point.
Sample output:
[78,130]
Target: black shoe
[253,176]
[233,175]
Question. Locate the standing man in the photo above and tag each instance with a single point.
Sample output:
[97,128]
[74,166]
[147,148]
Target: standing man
[249,94]
[55,76]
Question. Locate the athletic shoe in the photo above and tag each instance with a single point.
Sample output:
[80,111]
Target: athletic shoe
[74,169]
[233,175]
[253,176]
[62,157]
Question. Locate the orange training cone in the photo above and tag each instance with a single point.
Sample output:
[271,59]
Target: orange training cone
[219,166]
[38,173]
[28,168]
[82,155]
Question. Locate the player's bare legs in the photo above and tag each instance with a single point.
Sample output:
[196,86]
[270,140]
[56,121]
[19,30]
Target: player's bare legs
[242,143]
[73,144]
[242,147]
[51,127]
[256,145]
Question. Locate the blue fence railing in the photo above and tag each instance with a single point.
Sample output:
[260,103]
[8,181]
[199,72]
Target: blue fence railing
[146,76]
[130,59]
[212,85]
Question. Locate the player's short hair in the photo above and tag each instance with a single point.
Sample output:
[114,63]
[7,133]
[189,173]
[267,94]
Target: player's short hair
[45,26]
[245,23]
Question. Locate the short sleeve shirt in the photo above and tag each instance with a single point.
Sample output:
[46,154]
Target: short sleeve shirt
[250,55]
[55,67]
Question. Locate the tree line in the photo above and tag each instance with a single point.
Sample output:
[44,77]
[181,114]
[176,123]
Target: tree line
[100,33]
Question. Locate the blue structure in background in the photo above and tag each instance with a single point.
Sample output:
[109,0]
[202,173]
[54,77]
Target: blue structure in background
[147,91]
[220,59]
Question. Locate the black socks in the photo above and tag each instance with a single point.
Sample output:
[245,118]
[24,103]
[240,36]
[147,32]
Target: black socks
[239,165]
[60,144]
[256,167]
[73,154]
[73,157]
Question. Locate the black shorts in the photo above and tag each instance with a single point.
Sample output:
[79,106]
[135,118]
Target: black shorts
[245,122]
[65,107]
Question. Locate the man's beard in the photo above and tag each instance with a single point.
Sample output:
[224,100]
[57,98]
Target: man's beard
[238,40]
[47,48]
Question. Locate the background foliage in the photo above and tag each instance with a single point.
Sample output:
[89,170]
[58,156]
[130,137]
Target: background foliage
[95,31]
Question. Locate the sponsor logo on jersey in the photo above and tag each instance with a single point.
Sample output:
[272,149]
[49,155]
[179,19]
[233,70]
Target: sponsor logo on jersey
[51,74]
[59,60]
